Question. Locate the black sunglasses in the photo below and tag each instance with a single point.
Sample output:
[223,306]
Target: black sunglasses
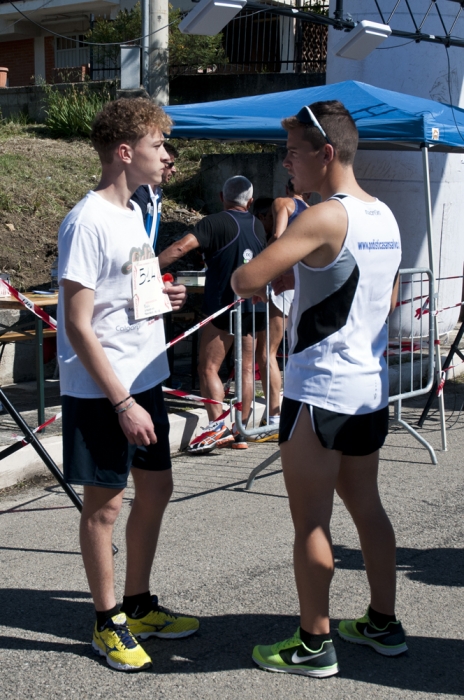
[306,116]
[169,165]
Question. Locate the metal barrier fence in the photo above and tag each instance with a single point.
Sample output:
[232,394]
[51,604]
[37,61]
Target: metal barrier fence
[410,351]
[409,357]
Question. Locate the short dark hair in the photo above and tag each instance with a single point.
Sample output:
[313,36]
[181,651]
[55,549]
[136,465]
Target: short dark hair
[126,120]
[171,150]
[262,205]
[338,125]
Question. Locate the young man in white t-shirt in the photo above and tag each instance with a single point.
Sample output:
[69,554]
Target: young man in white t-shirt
[111,369]
[345,254]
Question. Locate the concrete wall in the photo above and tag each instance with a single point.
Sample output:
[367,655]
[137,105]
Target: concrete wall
[264,170]
[188,89]
[30,100]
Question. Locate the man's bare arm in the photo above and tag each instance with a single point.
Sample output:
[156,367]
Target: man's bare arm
[136,423]
[280,216]
[177,250]
[321,228]
[394,296]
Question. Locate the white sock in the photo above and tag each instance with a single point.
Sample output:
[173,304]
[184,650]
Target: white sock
[274,420]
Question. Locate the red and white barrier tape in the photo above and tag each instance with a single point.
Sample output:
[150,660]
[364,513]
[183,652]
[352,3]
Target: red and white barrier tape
[420,312]
[36,310]
[424,309]
[190,397]
[36,430]
[201,399]
[408,301]
[444,372]
[455,277]
[406,346]
[202,323]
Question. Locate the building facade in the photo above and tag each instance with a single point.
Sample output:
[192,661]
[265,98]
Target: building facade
[33,55]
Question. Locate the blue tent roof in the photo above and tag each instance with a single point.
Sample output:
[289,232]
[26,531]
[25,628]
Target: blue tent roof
[385,119]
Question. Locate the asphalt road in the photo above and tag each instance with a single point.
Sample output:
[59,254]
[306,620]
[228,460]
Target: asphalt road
[226,556]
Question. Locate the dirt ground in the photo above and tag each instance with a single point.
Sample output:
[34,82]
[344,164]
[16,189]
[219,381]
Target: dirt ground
[41,179]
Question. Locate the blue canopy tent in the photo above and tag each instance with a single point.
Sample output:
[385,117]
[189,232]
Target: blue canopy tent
[385,119]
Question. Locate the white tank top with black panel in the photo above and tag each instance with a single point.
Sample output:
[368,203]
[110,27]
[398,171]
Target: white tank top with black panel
[337,328]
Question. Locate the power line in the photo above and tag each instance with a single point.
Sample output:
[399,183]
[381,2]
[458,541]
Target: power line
[90,43]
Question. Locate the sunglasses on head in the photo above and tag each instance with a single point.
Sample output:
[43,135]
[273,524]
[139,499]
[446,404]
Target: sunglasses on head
[306,116]
[169,165]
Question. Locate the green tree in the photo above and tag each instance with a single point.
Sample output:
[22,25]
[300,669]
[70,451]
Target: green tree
[191,50]
[127,25]
[184,49]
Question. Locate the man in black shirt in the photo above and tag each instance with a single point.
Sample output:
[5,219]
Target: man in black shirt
[227,240]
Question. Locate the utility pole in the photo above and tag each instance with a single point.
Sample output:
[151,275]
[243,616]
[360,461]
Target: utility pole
[158,52]
[145,42]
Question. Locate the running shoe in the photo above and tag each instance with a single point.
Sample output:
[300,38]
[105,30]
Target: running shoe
[162,623]
[292,656]
[216,434]
[116,643]
[238,441]
[389,641]
[266,436]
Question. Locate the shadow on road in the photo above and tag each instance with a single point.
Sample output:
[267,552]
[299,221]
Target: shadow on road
[434,567]
[225,642]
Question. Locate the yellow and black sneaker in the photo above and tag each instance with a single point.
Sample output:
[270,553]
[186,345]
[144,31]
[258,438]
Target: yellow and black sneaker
[266,436]
[162,623]
[116,643]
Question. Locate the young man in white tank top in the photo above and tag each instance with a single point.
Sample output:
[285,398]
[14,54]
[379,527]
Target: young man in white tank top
[345,254]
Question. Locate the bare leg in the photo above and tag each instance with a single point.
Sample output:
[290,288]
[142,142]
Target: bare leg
[152,493]
[99,513]
[247,375]
[357,487]
[275,337]
[214,345]
[310,473]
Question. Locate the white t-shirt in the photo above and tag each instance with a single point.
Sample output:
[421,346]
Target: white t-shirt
[97,244]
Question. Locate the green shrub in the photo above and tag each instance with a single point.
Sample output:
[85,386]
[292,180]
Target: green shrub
[72,111]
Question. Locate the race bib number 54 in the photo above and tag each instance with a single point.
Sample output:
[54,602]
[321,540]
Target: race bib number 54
[147,288]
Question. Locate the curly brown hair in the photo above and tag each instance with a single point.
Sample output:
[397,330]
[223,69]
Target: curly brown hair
[126,120]
[338,125]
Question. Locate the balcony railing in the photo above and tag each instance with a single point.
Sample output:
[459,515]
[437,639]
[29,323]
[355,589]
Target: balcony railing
[263,42]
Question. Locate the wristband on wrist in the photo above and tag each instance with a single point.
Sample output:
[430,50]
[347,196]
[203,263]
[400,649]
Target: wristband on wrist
[123,401]
[125,408]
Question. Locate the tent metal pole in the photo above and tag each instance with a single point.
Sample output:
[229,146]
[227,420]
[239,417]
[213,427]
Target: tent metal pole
[433,302]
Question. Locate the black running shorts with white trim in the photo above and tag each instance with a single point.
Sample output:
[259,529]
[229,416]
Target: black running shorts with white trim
[95,450]
[354,436]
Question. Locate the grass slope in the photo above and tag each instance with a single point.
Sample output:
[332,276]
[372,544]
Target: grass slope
[41,179]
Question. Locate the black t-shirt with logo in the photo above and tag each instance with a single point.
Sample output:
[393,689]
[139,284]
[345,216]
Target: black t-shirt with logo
[227,240]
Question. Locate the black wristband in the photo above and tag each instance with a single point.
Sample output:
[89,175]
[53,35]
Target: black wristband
[120,402]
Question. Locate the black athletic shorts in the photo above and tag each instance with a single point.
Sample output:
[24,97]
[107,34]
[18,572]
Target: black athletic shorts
[354,436]
[96,451]
[222,322]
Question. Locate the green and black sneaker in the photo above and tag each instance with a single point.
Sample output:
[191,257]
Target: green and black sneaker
[389,641]
[292,656]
